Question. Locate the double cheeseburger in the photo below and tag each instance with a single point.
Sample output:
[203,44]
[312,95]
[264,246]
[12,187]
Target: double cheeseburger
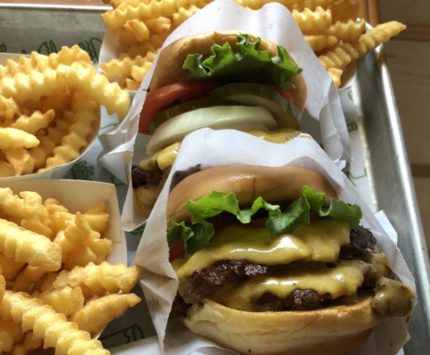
[218,80]
[269,261]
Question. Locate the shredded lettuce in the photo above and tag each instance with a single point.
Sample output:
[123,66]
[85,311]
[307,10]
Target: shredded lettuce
[199,232]
[249,63]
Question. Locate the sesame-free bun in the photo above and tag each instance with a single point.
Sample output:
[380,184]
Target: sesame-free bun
[169,67]
[274,184]
[332,330]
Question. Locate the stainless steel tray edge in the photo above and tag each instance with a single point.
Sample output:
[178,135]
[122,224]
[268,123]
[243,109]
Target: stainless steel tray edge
[392,182]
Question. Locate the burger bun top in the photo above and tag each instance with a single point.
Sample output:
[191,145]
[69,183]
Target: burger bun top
[275,184]
[169,67]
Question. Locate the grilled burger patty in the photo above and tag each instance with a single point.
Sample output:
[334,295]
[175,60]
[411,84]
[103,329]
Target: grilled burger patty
[207,281]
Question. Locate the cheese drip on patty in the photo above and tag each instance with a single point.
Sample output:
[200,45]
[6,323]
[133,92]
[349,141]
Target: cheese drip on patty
[342,280]
[319,241]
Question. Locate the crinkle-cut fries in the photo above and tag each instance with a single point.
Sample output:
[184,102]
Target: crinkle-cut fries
[331,28]
[50,109]
[56,287]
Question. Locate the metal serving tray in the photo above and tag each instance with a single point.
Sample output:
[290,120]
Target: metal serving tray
[392,184]
[46,28]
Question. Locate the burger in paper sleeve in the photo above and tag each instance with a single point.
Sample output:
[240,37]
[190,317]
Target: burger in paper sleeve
[217,80]
[269,261]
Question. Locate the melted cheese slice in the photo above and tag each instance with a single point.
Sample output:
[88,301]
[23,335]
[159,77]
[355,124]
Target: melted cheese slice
[320,241]
[342,280]
[167,156]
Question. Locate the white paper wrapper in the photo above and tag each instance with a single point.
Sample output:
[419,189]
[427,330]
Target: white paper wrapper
[324,119]
[212,148]
[78,195]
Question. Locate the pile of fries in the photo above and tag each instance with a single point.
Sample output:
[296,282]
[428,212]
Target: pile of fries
[56,289]
[50,109]
[331,28]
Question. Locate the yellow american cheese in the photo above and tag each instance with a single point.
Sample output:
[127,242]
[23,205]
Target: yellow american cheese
[342,280]
[167,156]
[320,241]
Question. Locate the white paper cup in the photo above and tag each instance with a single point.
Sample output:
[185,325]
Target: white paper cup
[78,195]
[57,172]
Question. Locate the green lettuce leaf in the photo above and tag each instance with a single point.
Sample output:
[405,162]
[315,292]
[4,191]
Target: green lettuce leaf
[195,237]
[199,233]
[216,203]
[249,63]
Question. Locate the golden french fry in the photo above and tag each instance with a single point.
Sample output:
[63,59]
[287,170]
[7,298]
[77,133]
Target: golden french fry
[66,300]
[49,325]
[38,219]
[78,137]
[26,246]
[30,343]
[131,84]
[12,205]
[119,69]
[14,66]
[345,10]
[347,31]
[10,333]
[97,217]
[99,279]
[45,283]
[59,216]
[8,108]
[138,29]
[11,138]
[183,14]
[48,141]
[139,72]
[127,39]
[97,86]
[318,43]
[20,159]
[96,314]
[343,54]
[32,85]
[313,22]
[80,244]
[27,278]
[35,122]
[40,62]
[336,75]
[159,24]
[81,257]
[10,268]
[116,18]
[26,210]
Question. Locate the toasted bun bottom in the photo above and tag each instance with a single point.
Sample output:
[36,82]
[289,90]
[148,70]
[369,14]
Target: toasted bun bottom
[169,68]
[274,184]
[333,330]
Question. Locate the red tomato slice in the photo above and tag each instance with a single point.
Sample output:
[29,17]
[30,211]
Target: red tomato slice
[285,93]
[176,250]
[161,98]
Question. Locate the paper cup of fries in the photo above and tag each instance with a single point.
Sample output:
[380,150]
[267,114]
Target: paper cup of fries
[50,111]
[92,195]
[63,259]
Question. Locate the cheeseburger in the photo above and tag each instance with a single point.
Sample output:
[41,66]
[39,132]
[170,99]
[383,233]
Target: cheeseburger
[217,80]
[269,261]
